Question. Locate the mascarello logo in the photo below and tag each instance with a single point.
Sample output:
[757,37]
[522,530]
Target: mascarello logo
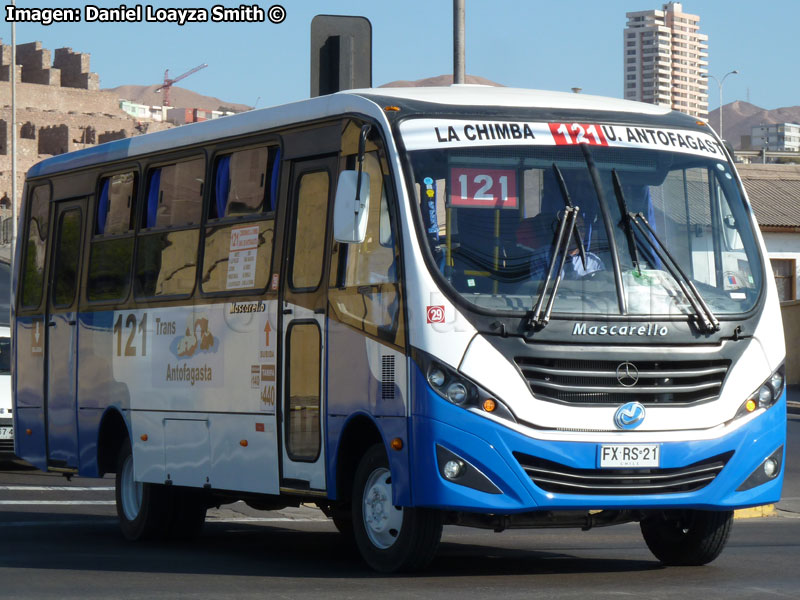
[197,338]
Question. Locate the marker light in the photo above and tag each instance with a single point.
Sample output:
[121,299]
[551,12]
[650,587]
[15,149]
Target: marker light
[397,444]
[243,443]
[391,108]
[457,393]
[453,468]
[489,405]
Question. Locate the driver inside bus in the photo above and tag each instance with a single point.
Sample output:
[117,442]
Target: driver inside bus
[538,235]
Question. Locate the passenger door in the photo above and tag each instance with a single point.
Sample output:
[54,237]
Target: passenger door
[61,335]
[304,302]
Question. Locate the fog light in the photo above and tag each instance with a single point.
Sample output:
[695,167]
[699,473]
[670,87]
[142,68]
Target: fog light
[764,395]
[457,393]
[770,467]
[436,377]
[453,468]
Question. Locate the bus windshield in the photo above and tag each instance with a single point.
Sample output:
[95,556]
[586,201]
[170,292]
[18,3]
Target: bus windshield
[493,214]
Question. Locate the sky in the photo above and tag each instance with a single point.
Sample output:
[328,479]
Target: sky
[553,45]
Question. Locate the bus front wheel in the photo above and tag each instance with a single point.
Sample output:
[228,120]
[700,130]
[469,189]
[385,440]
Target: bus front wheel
[143,508]
[687,537]
[390,538]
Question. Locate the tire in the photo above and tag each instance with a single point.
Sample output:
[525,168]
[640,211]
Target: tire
[144,509]
[687,538]
[390,538]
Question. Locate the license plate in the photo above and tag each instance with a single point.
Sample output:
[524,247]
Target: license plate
[629,455]
[6,433]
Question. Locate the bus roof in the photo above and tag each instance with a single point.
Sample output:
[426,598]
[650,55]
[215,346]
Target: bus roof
[348,101]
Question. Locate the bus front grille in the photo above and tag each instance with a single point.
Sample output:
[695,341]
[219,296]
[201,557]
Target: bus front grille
[575,381]
[559,479]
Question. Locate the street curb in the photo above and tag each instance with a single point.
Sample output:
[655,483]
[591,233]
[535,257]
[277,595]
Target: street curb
[768,510]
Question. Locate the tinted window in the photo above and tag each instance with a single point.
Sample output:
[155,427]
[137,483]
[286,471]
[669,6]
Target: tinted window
[67,258]
[312,210]
[175,194]
[237,256]
[245,182]
[166,263]
[112,247]
[35,247]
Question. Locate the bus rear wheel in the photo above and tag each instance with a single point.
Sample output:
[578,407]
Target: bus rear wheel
[144,509]
[390,538]
[687,537]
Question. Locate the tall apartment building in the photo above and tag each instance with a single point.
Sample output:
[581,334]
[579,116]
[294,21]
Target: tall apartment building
[666,58]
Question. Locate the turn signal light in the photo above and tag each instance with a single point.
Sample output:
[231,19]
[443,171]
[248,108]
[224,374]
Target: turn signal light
[144,437]
[391,108]
[243,443]
[489,405]
[397,444]
[751,405]
[29,432]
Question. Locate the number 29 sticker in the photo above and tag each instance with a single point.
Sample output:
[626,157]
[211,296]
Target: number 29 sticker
[435,314]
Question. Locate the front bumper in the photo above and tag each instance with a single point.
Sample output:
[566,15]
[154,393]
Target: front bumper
[494,449]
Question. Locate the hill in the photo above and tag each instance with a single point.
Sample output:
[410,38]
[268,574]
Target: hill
[739,117]
[441,80]
[146,94]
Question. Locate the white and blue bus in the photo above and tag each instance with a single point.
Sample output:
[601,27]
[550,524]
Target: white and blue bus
[413,307]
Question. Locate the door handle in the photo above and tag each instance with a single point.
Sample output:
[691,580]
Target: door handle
[51,324]
[287,311]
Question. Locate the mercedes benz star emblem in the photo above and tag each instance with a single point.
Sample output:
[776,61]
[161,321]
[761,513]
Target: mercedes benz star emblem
[627,374]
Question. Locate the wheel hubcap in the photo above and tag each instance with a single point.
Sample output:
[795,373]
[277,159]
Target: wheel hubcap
[382,520]
[130,491]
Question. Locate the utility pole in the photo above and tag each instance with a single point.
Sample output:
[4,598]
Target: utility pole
[13,76]
[459,19]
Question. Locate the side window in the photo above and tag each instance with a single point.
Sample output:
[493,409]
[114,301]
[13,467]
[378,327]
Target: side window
[166,257]
[364,287]
[238,255]
[245,183]
[175,194]
[67,258]
[35,247]
[112,243]
[308,251]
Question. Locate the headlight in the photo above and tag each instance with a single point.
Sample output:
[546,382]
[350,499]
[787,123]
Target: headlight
[766,395]
[458,389]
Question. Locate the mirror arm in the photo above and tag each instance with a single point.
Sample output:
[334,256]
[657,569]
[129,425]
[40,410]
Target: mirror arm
[362,143]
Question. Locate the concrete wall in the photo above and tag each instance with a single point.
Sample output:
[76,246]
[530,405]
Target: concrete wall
[790,311]
[785,245]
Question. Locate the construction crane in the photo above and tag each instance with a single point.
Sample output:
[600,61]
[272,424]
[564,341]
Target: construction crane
[168,83]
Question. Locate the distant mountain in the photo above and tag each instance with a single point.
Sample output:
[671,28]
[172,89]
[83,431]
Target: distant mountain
[146,94]
[738,119]
[441,80]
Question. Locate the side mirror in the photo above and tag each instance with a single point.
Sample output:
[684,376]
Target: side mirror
[350,210]
[351,205]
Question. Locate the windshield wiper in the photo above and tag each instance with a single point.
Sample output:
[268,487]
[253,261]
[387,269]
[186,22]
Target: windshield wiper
[562,185]
[626,220]
[707,321]
[540,315]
